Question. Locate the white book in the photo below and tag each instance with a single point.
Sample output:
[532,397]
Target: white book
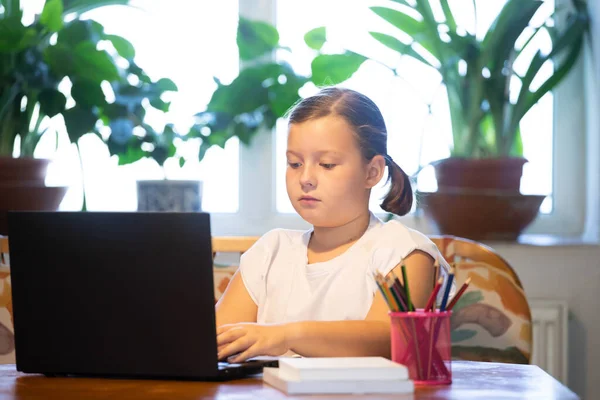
[341,368]
[273,377]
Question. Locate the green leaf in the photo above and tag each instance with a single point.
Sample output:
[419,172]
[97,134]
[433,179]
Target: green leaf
[255,38]
[203,149]
[14,36]
[283,97]
[160,104]
[78,31]
[400,20]
[450,21]
[417,30]
[517,146]
[165,85]
[162,153]
[79,121]
[122,45]
[88,94]
[499,40]
[248,91]
[243,132]
[181,162]
[81,6]
[398,46]
[132,153]
[571,42]
[462,334]
[331,69]
[12,8]
[84,62]
[52,102]
[316,38]
[52,15]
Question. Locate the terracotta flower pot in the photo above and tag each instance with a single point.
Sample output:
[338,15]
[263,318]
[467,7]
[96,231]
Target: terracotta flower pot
[23,169]
[479,215]
[499,174]
[480,198]
[22,188]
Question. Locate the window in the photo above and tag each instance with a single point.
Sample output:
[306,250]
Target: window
[553,145]
[414,105]
[244,189]
[189,42]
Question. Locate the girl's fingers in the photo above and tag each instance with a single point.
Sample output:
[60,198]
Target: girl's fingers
[250,352]
[229,336]
[237,346]
[225,328]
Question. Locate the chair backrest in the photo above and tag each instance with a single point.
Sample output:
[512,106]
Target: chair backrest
[232,244]
[456,248]
[492,320]
[7,355]
[222,272]
[3,250]
[3,244]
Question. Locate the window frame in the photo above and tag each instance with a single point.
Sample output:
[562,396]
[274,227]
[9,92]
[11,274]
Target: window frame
[257,211]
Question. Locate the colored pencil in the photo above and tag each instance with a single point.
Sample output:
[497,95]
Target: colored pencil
[383,293]
[394,289]
[406,288]
[431,302]
[460,293]
[447,289]
[436,266]
[400,289]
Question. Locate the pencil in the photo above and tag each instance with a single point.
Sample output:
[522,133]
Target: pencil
[436,265]
[392,304]
[382,292]
[400,289]
[406,289]
[394,290]
[436,289]
[447,290]
[460,293]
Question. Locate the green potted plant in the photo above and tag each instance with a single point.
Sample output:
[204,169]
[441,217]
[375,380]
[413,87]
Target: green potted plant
[34,59]
[486,159]
[262,92]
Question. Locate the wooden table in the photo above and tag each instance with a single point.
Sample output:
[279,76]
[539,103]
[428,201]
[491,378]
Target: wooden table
[471,380]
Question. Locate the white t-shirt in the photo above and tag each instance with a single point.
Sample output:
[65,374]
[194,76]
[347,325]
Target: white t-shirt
[286,288]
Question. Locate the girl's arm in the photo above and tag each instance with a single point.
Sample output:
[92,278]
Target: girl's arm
[235,304]
[369,337]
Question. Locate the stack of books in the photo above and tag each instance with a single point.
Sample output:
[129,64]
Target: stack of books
[339,375]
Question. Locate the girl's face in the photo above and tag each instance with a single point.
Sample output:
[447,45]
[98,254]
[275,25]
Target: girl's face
[327,179]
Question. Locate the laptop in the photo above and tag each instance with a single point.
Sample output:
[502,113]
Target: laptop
[116,294]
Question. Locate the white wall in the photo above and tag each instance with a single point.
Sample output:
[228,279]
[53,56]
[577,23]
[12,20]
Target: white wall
[571,272]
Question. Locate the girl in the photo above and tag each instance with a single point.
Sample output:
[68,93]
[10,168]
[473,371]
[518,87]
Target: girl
[313,293]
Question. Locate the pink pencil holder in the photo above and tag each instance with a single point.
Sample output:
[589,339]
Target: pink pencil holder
[421,342]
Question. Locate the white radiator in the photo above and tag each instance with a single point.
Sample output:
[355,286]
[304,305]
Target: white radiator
[550,340]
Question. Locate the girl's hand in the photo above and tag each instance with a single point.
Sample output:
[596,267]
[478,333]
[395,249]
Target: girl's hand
[248,340]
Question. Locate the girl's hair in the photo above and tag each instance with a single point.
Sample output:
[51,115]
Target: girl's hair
[366,120]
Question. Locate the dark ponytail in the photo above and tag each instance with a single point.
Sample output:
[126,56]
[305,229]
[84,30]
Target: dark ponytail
[364,116]
[399,199]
